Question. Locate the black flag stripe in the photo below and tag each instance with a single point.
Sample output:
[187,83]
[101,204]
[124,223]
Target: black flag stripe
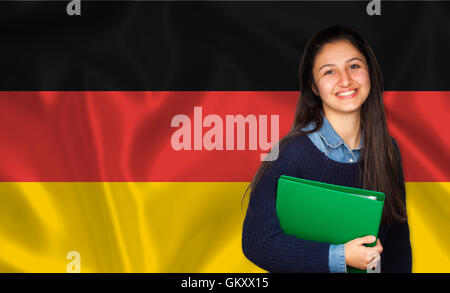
[146,45]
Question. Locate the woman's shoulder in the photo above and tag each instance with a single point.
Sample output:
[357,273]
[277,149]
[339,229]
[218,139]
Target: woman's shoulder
[296,141]
[295,146]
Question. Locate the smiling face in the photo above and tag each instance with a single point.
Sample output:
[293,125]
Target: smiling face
[341,76]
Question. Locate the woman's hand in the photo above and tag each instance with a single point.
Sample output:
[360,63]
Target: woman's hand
[359,256]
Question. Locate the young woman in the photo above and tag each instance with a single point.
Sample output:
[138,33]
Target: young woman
[339,136]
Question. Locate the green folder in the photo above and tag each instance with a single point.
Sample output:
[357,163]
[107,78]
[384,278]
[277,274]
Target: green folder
[329,213]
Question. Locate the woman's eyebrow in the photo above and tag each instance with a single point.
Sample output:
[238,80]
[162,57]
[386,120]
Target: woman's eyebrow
[349,60]
[355,58]
[325,65]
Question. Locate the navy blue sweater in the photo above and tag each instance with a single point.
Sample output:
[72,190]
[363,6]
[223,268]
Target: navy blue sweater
[265,244]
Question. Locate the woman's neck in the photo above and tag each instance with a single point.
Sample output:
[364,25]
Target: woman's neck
[348,126]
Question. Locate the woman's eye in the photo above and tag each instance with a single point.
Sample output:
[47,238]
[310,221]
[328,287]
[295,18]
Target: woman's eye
[328,72]
[354,66]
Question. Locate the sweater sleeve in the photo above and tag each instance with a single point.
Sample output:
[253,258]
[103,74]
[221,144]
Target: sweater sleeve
[263,241]
[397,256]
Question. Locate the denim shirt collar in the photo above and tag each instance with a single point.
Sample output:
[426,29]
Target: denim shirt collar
[331,138]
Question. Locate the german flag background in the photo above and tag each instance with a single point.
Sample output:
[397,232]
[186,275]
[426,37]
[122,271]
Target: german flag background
[91,179]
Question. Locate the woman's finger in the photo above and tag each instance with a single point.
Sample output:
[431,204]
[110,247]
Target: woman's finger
[378,247]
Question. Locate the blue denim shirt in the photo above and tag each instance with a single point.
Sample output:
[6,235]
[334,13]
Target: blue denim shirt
[331,144]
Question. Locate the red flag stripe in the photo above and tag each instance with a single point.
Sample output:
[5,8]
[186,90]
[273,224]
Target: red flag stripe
[126,136]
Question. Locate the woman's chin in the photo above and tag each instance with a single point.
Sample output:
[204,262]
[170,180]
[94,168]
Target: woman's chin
[344,109]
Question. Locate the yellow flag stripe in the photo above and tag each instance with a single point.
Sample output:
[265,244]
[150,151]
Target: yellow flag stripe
[429,223]
[165,226]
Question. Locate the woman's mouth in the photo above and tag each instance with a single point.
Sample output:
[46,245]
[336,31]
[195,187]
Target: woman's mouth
[347,94]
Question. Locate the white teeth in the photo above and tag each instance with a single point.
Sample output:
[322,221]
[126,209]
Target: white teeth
[347,93]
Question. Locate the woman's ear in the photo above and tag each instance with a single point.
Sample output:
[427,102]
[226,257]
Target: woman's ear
[314,89]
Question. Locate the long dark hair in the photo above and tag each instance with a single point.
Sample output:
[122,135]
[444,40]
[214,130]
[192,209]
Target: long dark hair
[379,162]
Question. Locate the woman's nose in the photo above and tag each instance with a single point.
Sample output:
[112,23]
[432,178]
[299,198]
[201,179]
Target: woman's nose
[344,79]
